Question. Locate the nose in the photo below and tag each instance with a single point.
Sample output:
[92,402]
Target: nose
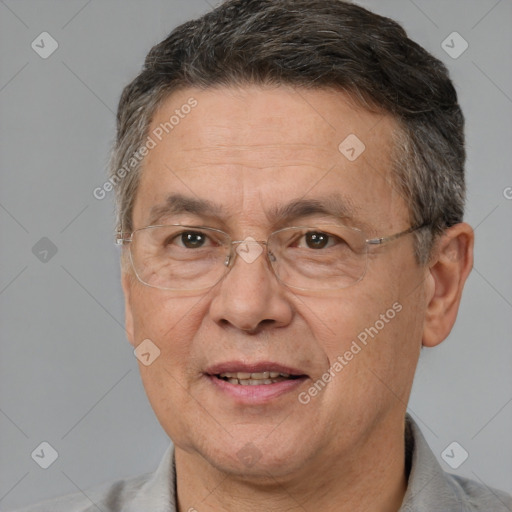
[250,297]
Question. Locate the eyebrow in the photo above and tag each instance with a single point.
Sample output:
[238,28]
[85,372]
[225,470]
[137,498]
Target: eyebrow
[331,205]
[176,204]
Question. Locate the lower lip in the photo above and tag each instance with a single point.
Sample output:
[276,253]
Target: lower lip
[257,393]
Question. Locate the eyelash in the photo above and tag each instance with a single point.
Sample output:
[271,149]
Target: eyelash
[179,236]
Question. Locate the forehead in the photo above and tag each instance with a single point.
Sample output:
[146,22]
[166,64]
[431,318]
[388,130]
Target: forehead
[253,147]
[262,120]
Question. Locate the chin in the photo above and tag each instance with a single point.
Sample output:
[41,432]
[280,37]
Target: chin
[262,460]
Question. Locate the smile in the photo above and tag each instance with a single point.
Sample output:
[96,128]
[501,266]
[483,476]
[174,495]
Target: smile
[255,379]
[256,383]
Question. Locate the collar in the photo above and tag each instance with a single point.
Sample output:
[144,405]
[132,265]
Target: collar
[429,487]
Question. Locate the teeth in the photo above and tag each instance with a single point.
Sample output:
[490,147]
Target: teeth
[253,379]
[262,375]
[254,382]
[253,376]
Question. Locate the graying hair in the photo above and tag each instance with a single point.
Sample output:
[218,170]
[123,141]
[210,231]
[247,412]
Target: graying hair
[312,44]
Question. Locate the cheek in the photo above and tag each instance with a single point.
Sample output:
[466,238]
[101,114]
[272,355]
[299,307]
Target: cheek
[164,318]
[337,321]
[171,323]
[371,334]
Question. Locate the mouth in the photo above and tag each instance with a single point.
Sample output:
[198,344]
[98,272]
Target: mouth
[254,383]
[256,378]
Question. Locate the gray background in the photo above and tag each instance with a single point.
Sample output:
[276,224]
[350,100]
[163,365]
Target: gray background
[67,374]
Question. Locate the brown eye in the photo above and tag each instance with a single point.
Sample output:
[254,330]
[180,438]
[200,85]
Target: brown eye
[317,240]
[192,239]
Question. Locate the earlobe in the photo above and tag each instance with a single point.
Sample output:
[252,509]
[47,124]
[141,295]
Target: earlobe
[447,275]
[126,281]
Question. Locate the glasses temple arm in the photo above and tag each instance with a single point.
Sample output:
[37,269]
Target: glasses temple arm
[385,239]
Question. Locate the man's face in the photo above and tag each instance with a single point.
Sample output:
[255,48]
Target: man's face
[251,151]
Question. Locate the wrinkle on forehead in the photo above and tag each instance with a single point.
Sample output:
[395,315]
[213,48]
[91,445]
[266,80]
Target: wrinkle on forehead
[259,156]
[253,147]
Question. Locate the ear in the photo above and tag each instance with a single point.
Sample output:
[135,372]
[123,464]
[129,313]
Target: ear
[127,283]
[449,268]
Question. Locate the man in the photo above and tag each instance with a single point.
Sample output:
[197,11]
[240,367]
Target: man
[290,185]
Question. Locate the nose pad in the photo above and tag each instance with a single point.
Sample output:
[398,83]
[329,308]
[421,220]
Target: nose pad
[230,258]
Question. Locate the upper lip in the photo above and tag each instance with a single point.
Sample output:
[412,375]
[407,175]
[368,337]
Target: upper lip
[257,367]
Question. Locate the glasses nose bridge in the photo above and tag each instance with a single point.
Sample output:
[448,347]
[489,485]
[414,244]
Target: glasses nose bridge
[249,240]
[233,252]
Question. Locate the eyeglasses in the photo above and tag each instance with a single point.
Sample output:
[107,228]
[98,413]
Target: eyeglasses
[322,257]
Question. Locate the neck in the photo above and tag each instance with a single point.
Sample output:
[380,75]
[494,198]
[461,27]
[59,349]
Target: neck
[371,476]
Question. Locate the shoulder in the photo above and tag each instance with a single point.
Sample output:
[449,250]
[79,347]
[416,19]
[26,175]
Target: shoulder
[107,498]
[431,488]
[479,497]
[153,492]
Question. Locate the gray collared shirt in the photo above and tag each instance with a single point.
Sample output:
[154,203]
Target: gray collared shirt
[429,488]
